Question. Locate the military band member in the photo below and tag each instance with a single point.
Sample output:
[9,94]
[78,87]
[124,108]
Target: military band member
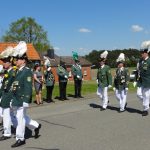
[104,80]
[121,82]
[21,95]
[138,82]
[63,79]
[5,94]
[144,68]
[49,80]
[77,75]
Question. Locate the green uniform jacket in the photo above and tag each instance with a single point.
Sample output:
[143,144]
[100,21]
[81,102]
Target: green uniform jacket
[121,79]
[104,76]
[76,71]
[62,72]
[6,94]
[22,87]
[49,78]
[145,73]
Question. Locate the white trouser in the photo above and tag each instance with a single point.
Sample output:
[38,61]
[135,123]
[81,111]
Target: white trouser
[139,93]
[7,122]
[121,96]
[1,112]
[146,97]
[20,116]
[31,124]
[103,94]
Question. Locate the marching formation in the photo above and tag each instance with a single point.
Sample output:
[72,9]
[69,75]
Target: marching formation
[16,93]
[121,80]
[16,86]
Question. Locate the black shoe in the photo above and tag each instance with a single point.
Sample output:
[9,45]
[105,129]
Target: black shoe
[144,113]
[4,138]
[102,109]
[80,96]
[37,131]
[50,101]
[18,143]
[75,96]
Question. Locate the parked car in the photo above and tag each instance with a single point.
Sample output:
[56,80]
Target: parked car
[133,75]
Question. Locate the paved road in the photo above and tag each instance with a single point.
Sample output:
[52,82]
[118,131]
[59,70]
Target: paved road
[80,125]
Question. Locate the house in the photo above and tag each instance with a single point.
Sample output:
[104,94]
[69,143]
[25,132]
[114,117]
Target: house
[32,54]
[55,61]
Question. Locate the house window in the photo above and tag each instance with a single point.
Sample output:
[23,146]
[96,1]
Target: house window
[85,73]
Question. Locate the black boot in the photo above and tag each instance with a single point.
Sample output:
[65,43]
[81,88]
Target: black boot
[37,131]
[18,143]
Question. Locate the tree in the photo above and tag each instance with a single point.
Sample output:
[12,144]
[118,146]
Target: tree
[26,29]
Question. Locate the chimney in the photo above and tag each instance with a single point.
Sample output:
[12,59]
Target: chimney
[50,53]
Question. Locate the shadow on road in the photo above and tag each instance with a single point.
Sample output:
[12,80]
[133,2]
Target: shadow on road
[66,126]
[128,109]
[133,110]
[41,148]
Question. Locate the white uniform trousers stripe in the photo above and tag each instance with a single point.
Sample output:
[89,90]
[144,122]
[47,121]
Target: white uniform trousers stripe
[7,122]
[146,97]
[121,96]
[103,94]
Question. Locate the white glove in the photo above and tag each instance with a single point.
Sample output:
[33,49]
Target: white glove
[134,84]
[78,76]
[126,89]
[114,88]
[49,68]
[0,99]
[109,86]
[97,81]
[66,77]
[25,104]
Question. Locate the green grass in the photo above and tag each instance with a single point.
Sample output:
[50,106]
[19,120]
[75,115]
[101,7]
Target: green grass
[88,87]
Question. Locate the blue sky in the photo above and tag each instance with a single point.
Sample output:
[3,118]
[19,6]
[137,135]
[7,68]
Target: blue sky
[84,25]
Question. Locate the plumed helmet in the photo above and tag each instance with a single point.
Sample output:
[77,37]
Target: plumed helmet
[103,56]
[145,47]
[121,58]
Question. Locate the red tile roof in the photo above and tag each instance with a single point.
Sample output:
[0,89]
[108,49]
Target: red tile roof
[31,52]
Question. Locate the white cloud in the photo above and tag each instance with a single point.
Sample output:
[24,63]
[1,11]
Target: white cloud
[56,48]
[136,28]
[84,30]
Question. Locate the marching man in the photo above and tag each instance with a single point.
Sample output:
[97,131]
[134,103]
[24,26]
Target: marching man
[144,68]
[104,80]
[121,82]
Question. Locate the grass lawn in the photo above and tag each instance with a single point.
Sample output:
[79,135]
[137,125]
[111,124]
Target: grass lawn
[88,87]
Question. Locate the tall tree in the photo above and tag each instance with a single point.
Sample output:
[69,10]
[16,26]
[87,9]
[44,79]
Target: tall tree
[26,29]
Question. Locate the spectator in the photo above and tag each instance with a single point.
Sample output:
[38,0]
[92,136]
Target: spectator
[38,83]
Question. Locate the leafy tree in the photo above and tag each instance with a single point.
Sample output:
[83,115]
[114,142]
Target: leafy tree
[26,29]
[132,56]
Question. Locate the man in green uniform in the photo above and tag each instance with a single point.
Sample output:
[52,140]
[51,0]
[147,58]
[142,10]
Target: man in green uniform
[49,80]
[144,68]
[63,79]
[5,93]
[22,93]
[121,80]
[104,80]
[77,75]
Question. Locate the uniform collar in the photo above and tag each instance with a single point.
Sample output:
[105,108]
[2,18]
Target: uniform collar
[21,67]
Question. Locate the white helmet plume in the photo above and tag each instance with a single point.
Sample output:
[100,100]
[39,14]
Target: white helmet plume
[104,54]
[46,61]
[20,49]
[121,57]
[146,44]
[7,52]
